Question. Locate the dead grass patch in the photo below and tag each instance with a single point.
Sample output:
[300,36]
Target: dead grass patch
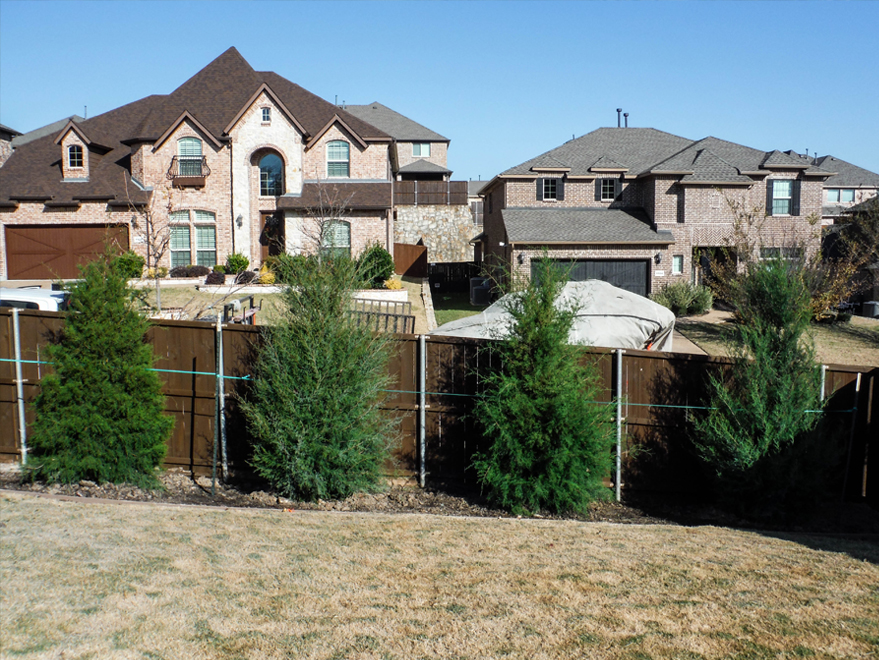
[101,580]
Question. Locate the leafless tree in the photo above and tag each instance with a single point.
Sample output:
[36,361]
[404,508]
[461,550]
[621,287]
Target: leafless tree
[321,221]
[152,231]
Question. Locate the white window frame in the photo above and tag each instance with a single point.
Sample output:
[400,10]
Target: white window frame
[779,199]
[70,164]
[337,161]
[846,192]
[193,220]
[550,189]
[613,190]
[336,238]
[266,115]
[834,195]
[421,149]
[180,221]
[188,162]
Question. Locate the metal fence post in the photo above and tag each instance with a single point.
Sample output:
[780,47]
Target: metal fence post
[619,420]
[221,402]
[19,386]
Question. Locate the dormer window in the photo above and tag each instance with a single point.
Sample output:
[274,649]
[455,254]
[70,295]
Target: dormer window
[338,159]
[74,156]
[266,115]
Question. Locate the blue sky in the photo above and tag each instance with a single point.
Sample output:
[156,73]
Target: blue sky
[505,81]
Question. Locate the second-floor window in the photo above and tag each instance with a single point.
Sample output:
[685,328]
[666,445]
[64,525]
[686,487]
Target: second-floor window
[338,159]
[840,195]
[608,190]
[266,115]
[421,149]
[783,197]
[74,156]
[189,156]
[550,189]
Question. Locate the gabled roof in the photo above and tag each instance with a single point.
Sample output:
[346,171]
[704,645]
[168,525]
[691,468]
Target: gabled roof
[211,98]
[846,174]
[48,129]
[398,126]
[12,132]
[581,225]
[424,166]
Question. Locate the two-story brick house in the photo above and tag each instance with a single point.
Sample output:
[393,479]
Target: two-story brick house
[234,159]
[640,208]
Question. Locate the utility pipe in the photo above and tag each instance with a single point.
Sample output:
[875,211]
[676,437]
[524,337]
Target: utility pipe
[619,365]
[19,386]
[216,416]
[422,407]
[823,381]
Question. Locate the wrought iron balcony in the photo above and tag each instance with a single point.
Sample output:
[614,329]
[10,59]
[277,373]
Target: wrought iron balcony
[188,171]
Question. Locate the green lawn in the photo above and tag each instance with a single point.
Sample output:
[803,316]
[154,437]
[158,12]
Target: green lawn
[452,306]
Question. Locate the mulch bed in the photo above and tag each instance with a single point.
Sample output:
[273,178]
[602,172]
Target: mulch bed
[181,488]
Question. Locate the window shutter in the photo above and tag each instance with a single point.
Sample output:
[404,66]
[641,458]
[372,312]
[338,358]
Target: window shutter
[559,189]
[769,185]
[617,188]
[795,198]
[539,190]
[597,190]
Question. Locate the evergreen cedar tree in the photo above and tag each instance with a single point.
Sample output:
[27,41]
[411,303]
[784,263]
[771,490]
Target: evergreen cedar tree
[99,414]
[314,408]
[548,440]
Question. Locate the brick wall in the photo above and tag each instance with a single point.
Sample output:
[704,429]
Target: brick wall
[303,231]
[368,163]
[438,154]
[67,172]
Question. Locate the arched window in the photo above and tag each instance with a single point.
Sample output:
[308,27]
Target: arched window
[338,159]
[74,156]
[189,156]
[336,239]
[271,175]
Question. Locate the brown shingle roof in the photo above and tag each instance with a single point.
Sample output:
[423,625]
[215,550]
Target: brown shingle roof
[213,96]
[355,196]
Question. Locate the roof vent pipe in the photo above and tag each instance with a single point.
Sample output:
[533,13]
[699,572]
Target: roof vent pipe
[626,115]
[619,110]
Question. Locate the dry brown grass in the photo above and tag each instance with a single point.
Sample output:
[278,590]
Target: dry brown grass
[855,343]
[97,580]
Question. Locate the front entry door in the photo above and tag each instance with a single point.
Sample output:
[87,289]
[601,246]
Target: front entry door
[271,234]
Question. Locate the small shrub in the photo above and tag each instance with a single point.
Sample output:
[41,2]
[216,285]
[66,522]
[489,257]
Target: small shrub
[394,284]
[376,265]
[131,264]
[684,298]
[161,272]
[180,271]
[199,271]
[237,262]
[245,277]
[266,276]
[219,268]
[215,278]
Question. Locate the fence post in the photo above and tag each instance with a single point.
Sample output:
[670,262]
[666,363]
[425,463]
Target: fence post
[823,381]
[422,407]
[19,386]
[221,402]
[416,193]
[619,366]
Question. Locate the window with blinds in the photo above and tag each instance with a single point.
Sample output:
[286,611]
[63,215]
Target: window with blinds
[338,159]
[189,156]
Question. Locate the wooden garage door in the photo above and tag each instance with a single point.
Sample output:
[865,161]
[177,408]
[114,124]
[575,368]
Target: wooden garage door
[53,251]
[630,275]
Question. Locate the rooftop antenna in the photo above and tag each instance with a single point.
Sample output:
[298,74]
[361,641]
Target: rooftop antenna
[626,115]
[337,99]
[619,110]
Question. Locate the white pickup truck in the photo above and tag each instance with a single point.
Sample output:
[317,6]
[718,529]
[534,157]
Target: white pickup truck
[53,301]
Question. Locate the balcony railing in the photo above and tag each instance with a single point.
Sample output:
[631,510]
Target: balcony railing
[414,193]
[188,171]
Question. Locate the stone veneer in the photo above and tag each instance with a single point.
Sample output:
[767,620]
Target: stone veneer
[445,230]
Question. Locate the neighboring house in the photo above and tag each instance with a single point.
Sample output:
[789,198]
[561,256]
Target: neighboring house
[236,160]
[6,136]
[477,210]
[850,185]
[641,208]
[429,208]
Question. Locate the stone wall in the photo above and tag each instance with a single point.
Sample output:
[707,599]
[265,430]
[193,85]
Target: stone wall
[445,230]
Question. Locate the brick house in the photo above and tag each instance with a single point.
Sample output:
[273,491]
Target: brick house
[641,208]
[235,160]
[6,136]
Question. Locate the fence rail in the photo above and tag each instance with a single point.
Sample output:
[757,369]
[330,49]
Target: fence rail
[659,392]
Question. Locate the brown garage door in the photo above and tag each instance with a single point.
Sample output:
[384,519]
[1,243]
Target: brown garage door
[53,251]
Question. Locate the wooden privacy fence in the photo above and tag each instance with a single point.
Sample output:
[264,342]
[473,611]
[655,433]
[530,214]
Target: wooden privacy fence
[444,193]
[410,260]
[660,392]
